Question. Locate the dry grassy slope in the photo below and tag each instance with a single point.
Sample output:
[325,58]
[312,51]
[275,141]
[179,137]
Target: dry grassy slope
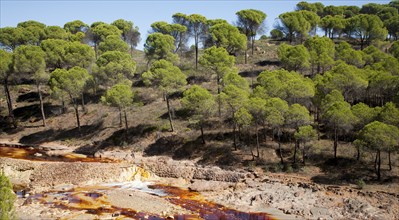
[148,128]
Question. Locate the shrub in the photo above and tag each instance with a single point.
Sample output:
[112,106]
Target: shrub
[7,198]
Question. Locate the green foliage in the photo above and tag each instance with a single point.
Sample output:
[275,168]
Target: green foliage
[5,64]
[217,60]
[276,34]
[55,52]
[7,198]
[75,26]
[70,81]
[290,86]
[130,34]
[394,49]
[29,59]
[360,183]
[199,101]
[294,25]
[297,116]
[321,50]
[347,79]
[389,114]
[364,114]
[160,46]
[120,95]
[250,21]
[294,58]
[350,56]
[114,66]
[339,116]
[234,97]
[332,25]
[229,37]
[257,108]
[368,27]
[78,54]
[379,136]
[55,32]
[102,30]
[167,77]
[243,117]
[392,25]
[276,110]
[305,134]
[113,43]
[233,78]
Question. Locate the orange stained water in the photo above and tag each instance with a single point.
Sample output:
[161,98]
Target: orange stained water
[93,200]
[35,154]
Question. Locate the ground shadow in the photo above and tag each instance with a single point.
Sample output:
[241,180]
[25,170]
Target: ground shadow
[250,73]
[86,132]
[342,171]
[33,112]
[196,79]
[31,97]
[118,139]
[268,63]
[179,148]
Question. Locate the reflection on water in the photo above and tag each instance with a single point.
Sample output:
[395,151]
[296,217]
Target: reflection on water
[93,200]
[35,154]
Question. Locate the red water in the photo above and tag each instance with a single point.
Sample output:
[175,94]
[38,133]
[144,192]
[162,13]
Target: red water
[36,154]
[92,200]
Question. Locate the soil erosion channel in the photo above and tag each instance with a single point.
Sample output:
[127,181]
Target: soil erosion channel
[124,191]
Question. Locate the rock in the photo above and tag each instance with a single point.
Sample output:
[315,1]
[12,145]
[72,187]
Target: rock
[203,186]
[38,155]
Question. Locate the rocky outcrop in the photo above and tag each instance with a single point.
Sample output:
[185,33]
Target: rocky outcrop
[166,167]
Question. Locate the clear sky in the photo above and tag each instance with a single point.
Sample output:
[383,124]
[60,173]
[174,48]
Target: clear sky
[144,13]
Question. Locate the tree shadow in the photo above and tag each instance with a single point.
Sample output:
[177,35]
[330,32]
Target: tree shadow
[268,63]
[119,139]
[33,112]
[196,79]
[31,97]
[250,73]
[181,114]
[342,171]
[86,132]
[178,148]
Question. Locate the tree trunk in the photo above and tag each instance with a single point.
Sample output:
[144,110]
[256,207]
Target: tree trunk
[96,50]
[253,44]
[76,106]
[257,140]
[279,149]
[83,103]
[335,142]
[234,133]
[126,124]
[120,117]
[375,161]
[169,113]
[9,103]
[63,105]
[303,154]
[358,153]
[41,104]
[379,166]
[246,56]
[202,133]
[295,149]
[219,101]
[196,54]
[389,160]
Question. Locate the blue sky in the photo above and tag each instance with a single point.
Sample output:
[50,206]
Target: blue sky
[143,13]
